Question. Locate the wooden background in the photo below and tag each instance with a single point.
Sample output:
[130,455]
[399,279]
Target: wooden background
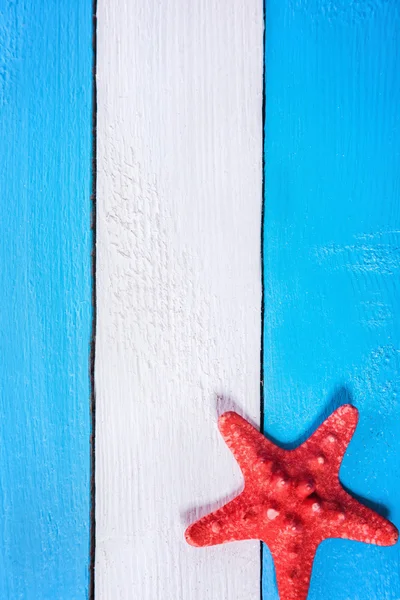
[184,327]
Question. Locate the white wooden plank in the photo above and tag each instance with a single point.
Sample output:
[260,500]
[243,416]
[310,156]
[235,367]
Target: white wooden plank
[178,288]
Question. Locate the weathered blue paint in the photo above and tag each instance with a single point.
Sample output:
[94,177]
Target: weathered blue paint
[45,298]
[332,257]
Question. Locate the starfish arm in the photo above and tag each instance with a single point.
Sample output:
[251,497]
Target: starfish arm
[334,435]
[250,448]
[361,524]
[293,568]
[231,522]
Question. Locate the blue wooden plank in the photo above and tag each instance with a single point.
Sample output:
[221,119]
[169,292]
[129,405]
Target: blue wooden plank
[332,258]
[45,298]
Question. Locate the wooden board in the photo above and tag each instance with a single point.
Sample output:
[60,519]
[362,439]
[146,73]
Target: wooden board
[331,257]
[45,298]
[178,288]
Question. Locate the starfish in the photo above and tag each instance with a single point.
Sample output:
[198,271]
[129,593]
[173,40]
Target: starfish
[292,499]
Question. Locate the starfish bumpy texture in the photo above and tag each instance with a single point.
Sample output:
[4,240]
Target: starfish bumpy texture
[292,499]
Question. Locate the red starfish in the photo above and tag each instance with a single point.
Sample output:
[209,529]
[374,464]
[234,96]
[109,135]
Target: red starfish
[292,500]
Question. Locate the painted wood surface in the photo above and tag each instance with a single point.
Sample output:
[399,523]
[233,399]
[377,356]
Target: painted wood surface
[45,298]
[331,258]
[178,288]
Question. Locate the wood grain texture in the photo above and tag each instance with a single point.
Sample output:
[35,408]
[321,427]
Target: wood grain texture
[178,288]
[45,298]
[332,223]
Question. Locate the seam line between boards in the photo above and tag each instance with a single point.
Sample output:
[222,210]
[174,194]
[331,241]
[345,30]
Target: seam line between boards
[262,261]
[93,200]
